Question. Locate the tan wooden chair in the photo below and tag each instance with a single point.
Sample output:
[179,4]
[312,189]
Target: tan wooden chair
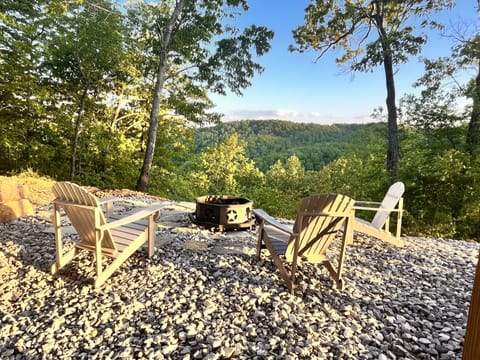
[319,219]
[379,227]
[117,239]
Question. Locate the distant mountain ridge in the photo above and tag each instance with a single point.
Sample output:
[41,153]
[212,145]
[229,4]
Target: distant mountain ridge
[272,140]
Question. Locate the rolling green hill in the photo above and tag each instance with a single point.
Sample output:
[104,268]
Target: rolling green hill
[271,140]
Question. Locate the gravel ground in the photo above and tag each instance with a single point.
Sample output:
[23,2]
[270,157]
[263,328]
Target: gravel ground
[206,296]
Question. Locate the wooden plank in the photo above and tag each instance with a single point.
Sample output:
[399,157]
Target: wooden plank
[277,234]
[279,246]
[107,252]
[124,237]
[121,247]
[15,209]
[127,230]
[471,347]
[122,243]
[138,224]
[125,233]
[125,241]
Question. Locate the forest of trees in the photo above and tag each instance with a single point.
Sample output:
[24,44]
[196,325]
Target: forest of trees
[117,98]
[268,141]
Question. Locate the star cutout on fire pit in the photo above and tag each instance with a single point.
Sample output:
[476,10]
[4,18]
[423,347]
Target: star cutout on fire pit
[231,215]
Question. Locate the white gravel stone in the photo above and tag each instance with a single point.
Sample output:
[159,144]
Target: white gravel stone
[184,303]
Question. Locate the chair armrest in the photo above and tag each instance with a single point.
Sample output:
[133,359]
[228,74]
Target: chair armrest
[376,209]
[261,214]
[140,214]
[107,200]
[110,199]
[361,202]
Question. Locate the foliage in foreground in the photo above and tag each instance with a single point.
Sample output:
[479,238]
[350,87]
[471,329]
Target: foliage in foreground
[442,182]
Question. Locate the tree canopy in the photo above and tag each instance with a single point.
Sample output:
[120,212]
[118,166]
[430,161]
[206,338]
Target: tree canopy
[371,33]
[191,42]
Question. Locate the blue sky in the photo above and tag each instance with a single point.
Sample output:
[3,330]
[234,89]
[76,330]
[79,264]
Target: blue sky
[293,87]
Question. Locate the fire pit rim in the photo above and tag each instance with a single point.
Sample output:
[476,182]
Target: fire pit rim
[223,197]
[223,212]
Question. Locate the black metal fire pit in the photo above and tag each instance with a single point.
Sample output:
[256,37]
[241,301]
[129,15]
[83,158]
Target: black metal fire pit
[223,212]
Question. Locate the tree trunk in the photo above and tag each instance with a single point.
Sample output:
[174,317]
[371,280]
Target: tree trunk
[144,178]
[105,152]
[76,135]
[471,347]
[166,37]
[393,148]
[473,134]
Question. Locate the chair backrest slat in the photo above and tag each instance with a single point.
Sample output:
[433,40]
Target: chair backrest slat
[82,217]
[319,219]
[390,201]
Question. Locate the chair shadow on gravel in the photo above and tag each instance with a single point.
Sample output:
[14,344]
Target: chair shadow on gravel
[26,243]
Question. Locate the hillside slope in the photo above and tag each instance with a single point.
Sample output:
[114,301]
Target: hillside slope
[271,140]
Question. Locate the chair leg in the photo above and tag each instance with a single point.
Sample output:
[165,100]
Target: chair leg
[294,265]
[62,260]
[110,269]
[346,239]
[98,261]
[151,235]
[280,265]
[261,234]
[337,277]
[399,219]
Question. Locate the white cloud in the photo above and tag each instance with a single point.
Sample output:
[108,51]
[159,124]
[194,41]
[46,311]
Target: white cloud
[295,116]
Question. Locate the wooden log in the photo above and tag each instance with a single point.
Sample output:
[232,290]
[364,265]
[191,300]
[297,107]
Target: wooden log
[471,347]
[9,191]
[12,210]
[23,191]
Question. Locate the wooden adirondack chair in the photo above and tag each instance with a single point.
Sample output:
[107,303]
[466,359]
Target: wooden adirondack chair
[319,219]
[117,239]
[379,227]
[471,347]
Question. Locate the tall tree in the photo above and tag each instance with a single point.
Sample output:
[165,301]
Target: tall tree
[444,84]
[24,28]
[191,41]
[470,54]
[371,33]
[225,169]
[84,61]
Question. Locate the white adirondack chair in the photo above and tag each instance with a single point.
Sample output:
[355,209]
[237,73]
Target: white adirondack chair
[379,227]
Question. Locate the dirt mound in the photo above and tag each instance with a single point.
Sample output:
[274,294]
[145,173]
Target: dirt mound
[40,189]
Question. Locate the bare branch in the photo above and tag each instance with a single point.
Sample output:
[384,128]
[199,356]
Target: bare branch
[338,40]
